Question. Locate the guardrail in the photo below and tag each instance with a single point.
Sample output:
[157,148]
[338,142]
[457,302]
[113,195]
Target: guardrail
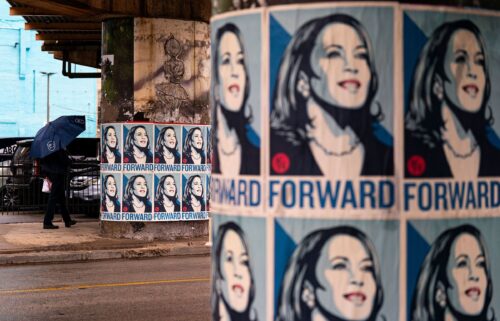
[21,188]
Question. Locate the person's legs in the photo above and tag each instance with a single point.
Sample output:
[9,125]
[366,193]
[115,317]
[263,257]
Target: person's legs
[57,196]
[62,203]
[64,210]
[53,199]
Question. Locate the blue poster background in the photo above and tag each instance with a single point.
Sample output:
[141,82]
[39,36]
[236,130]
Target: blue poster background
[383,233]
[185,131]
[419,25]
[177,179]
[185,178]
[178,134]
[250,26]
[118,181]
[149,131]
[119,140]
[149,182]
[378,21]
[422,233]
[257,253]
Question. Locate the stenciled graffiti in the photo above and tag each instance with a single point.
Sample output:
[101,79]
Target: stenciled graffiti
[171,96]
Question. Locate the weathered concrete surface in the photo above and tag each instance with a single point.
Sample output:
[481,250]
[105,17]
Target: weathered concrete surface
[22,243]
[144,231]
[130,91]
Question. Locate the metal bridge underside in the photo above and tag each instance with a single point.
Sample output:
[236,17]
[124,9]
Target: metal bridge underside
[71,29]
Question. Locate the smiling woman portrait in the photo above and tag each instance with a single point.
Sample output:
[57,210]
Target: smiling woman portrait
[166,147]
[194,198]
[448,123]
[454,282]
[233,285]
[167,198]
[235,143]
[137,146]
[333,274]
[110,146]
[325,120]
[110,201]
[136,195]
[192,151]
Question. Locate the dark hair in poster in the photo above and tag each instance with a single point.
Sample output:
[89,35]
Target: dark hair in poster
[192,151]
[135,151]
[219,297]
[432,297]
[135,198]
[110,146]
[292,127]
[110,194]
[231,112]
[164,148]
[165,196]
[194,195]
[446,109]
[298,297]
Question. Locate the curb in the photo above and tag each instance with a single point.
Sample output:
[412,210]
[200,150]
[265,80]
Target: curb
[96,255]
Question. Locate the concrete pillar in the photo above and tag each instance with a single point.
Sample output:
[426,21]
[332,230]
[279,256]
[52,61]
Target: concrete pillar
[117,93]
[155,71]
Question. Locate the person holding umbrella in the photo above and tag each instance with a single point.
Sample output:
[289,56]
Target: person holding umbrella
[50,146]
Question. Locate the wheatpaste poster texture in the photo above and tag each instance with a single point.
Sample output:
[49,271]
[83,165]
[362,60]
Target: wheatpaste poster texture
[373,191]
[145,175]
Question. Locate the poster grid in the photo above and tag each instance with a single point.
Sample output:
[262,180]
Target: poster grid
[154,172]
[408,224]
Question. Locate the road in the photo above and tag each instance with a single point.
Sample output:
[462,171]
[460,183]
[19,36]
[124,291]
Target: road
[171,288]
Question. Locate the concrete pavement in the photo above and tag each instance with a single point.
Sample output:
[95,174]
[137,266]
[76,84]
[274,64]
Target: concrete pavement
[23,241]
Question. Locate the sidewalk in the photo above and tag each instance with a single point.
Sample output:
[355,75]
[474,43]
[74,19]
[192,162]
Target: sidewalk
[23,241]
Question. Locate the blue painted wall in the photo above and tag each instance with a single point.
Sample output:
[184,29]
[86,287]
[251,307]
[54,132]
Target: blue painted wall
[23,89]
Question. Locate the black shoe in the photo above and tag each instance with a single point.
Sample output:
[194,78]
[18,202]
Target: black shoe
[71,222]
[50,227]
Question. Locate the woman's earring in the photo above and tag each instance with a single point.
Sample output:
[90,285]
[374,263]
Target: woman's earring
[216,93]
[308,298]
[218,287]
[303,85]
[253,314]
[437,88]
[441,298]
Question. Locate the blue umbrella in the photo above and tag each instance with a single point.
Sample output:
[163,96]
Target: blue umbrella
[56,135]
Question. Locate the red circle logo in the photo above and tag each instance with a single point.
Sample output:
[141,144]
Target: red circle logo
[280,163]
[157,209]
[157,160]
[125,160]
[184,160]
[184,208]
[416,165]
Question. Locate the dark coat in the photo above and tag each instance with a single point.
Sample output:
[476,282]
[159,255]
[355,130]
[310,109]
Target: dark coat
[128,157]
[118,158]
[116,204]
[129,208]
[186,159]
[250,154]
[186,207]
[55,163]
[160,208]
[424,161]
[298,158]
[160,160]
[250,159]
